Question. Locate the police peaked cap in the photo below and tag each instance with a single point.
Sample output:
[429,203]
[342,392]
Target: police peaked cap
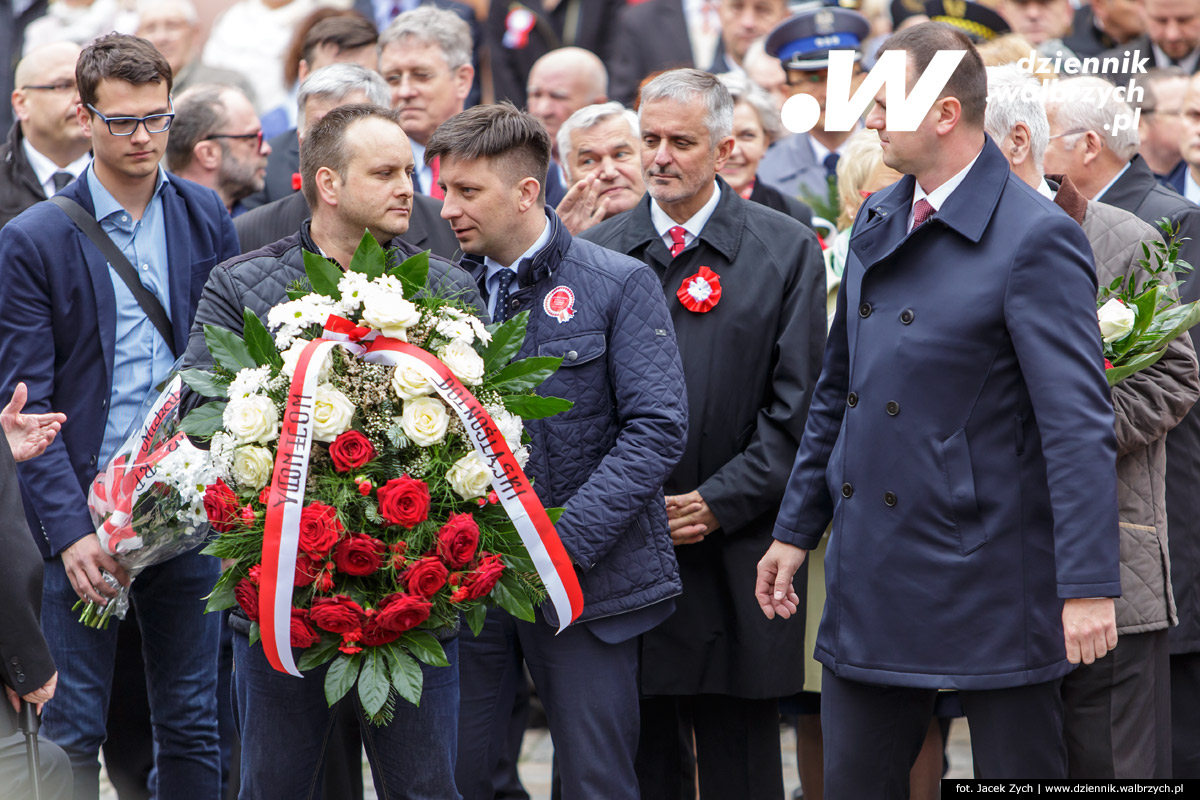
[803,41]
[976,20]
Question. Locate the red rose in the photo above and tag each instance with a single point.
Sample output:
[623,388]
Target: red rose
[303,633]
[374,635]
[485,577]
[351,450]
[247,515]
[319,529]
[306,571]
[265,495]
[325,582]
[254,573]
[359,554]
[221,505]
[247,597]
[458,539]
[337,614]
[364,488]
[404,501]
[426,576]
[402,612]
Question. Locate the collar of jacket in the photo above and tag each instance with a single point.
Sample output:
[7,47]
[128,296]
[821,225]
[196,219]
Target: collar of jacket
[1131,188]
[968,210]
[15,161]
[308,243]
[722,232]
[530,270]
[1068,197]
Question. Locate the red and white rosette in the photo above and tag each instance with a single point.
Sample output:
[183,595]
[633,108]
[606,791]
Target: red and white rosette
[700,292]
[286,500]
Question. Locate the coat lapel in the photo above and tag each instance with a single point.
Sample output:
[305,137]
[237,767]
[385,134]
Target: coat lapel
[97,267]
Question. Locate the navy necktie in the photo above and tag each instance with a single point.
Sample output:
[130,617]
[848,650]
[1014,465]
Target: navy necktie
[61,179]
[505,279]
[831,162]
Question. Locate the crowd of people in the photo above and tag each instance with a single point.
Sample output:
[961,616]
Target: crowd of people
[842,450]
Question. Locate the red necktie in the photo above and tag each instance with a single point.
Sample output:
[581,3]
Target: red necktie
[677,243]
[921,212]
[435,191]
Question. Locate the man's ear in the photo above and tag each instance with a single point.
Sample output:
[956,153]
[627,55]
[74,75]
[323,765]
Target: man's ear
[530,193]
[724,151]
[20,111]
[85,118]
[949,114]
[462,81]
[1093,147]
[207,154]
[1019,144]
[329,186]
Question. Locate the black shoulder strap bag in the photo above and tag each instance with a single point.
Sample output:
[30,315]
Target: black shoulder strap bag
[145,298]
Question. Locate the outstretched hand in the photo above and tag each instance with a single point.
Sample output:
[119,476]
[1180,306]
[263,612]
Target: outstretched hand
[581,208]
[28,434]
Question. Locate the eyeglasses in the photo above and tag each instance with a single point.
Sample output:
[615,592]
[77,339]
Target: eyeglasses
[60,86]
[1069,133]
[258,135]
[126,126]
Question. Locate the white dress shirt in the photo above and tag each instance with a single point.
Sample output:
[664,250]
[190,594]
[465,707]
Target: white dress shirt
[938,196]
[494,267]
[692,227]
[45,169]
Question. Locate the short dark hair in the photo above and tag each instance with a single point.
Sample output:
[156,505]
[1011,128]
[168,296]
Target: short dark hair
[968,84]
[344,29]
[325,145]
[198,113]
[513,138]
[121,57]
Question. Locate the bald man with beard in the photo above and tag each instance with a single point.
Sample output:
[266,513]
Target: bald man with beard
[46,147]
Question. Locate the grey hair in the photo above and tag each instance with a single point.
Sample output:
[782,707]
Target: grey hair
[434,26]
[686,86]
[589,117]
[1015,96]
[1075,102]
[185,7]
[338,81]
[744,90]
[198,113]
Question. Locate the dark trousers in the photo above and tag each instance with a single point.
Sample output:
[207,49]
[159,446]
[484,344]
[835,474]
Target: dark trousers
[1118,712]
[736,754]
[1185,721]
[588,688]
[873,734]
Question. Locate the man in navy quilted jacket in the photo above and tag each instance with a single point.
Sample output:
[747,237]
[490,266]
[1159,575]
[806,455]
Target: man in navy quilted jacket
[604,460]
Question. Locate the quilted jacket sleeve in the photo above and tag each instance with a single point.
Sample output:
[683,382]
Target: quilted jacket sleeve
[221,305]
[646,380]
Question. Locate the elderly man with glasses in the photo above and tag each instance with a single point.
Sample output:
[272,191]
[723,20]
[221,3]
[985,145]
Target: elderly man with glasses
[217,141]
[92,320]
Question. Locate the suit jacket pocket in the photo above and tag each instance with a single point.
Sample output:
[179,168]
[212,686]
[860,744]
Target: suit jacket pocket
[960,480]
[583,376]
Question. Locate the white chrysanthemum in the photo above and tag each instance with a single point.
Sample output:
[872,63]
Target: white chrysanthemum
[291,357]
[332,412]
[425,420]
[469,477]
[292,317]
[509,425]
[188,470]
[252,466]
[353,287]
[252,419]
[477,327]
[456,330]
[521,454]
[389,284]
[389,313]
[220,454]
[408,382]
[248,382]
[463,361]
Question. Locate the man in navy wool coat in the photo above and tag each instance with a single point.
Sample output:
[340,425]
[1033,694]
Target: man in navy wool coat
[961,440]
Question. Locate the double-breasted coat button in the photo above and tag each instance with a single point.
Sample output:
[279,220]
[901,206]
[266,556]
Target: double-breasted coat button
[852,399]
[889,499]
[893,407]
[93,461]
[864,310]
[847,490]
[906,316]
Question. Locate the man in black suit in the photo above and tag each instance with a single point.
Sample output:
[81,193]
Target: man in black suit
[1116,175]
[1102,25]
[1171,39]
[25,660]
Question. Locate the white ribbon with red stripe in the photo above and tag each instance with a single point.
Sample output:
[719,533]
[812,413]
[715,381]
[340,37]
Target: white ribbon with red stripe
[286,500]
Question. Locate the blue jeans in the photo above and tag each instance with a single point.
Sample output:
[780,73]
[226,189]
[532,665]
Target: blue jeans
[179,644]
[285,723]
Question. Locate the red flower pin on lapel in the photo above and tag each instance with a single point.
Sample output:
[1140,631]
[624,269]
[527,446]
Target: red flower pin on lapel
[700,292]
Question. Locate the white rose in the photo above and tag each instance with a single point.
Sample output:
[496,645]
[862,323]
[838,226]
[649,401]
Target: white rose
[389,313]
[291,357]
[332,412]
[461,359]
[408,383]
[469,477]
[252,466]
[1116,320]
[252,419]
[424,420]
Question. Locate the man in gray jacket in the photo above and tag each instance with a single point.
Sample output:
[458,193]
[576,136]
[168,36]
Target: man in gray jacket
[1117,710]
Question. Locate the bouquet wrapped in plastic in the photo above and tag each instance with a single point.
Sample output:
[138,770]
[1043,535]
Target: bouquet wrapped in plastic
[148,503]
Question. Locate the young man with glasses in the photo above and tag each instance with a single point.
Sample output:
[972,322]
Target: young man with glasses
[46,148]
[217,141]
[73,329]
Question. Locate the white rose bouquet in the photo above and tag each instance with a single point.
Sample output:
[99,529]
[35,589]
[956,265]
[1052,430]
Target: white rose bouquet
[1138,320]
[367,452]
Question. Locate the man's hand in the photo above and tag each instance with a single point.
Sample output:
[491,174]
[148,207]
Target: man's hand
[84,561]
[581,207]
[39,696]
[28,434]
[690,518]
[1090,628]
[774,590]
